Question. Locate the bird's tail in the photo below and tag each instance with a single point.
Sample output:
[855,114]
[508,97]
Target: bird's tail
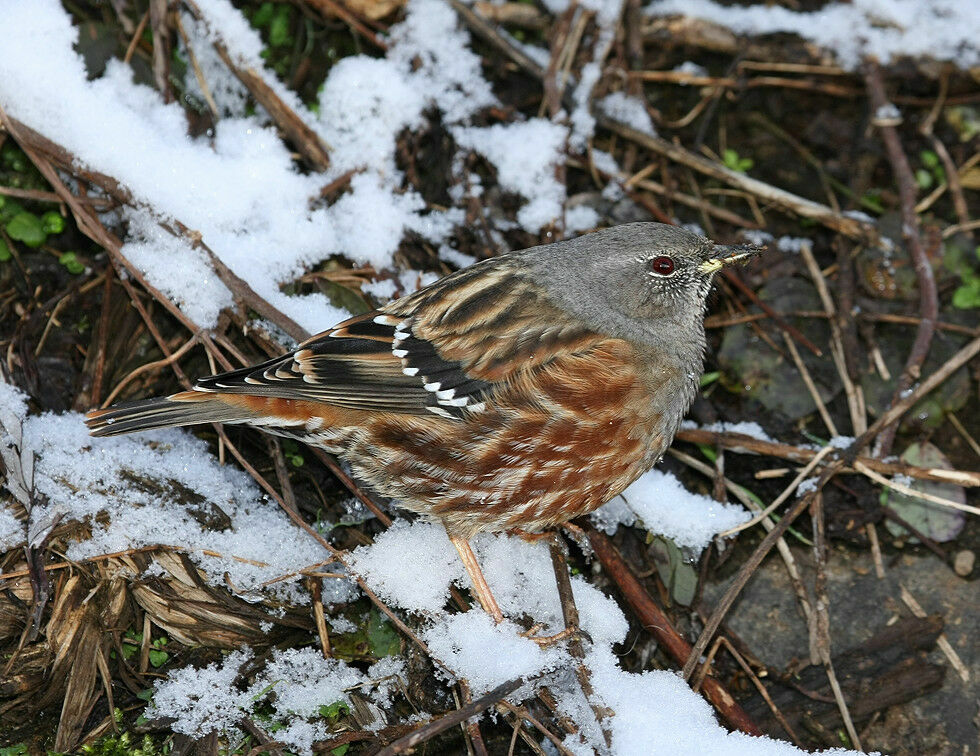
[185,408]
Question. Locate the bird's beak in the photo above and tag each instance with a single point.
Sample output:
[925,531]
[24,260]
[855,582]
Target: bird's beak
[722,255]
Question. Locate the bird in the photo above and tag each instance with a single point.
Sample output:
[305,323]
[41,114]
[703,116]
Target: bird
[514,394]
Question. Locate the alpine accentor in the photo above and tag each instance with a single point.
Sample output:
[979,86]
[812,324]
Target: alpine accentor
[521,392]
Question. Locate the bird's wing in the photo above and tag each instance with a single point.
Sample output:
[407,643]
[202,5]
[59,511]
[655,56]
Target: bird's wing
[443,350]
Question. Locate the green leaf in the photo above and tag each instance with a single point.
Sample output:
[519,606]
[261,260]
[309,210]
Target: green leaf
[340,750]
[923,178]
[929,158]
[708,452]
[331,711]
[5,253]
[938,522]
[26,227]
[263,15]
[383,639]
[71,263]
[708,378]
[146,694]
[9,209]
[52,222]
[965,297]
[279,28]
[158,658]
[15,750]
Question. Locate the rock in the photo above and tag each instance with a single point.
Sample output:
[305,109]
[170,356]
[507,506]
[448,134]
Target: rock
[963,562]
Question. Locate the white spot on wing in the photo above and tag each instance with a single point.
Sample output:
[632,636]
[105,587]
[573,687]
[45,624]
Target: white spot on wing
[445,393]
[433,386]
[410,371]
[441,412]
[400,352]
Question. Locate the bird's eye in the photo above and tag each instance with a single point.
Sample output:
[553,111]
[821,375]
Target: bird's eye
[662,265]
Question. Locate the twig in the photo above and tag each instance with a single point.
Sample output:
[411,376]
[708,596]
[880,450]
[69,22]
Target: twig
[787,492]
[569,612]
[811,387]
[820,630]
[838,322]
[149,367]
[786,200]
[879,563]
[742,494]
[928,297]
[741,443]
[460,715]
[161,48]
[328,8]
[909,491]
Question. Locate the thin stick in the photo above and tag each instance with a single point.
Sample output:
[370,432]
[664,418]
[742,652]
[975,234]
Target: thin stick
[459,716]
[872,532]
[811,387]
[743,444]
[928,296]
[570,614]
[908,491]
[820,631]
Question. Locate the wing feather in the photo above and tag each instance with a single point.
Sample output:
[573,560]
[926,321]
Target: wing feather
[445,349]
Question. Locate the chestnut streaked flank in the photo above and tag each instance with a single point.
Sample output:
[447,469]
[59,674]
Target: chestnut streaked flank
[520,392]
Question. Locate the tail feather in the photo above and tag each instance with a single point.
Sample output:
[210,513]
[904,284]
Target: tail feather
[185,408]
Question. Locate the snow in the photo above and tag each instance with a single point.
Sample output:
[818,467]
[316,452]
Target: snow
[746,428]
[240,187]
[629,110]
[525,156]
[12,531]
[294,682]
[130,489]
[885,29]
[662,504]
[462,641]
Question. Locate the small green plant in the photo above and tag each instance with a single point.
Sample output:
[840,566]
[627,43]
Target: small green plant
[733,162]
[28,228]
[871,199]
[967,295]
[122,743]
[290,450]
[931,172]
[71,262]
[132,642]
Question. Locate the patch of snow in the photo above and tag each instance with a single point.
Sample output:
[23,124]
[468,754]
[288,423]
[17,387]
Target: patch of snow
[629,110]
[691,520]
[938,29]
[525,156]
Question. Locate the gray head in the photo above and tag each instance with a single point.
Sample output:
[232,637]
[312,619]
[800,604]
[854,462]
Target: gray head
[641,281]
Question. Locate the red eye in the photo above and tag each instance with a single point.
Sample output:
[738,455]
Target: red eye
[662,265]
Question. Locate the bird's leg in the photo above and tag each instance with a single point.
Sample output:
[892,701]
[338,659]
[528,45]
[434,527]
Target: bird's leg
[480,587]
